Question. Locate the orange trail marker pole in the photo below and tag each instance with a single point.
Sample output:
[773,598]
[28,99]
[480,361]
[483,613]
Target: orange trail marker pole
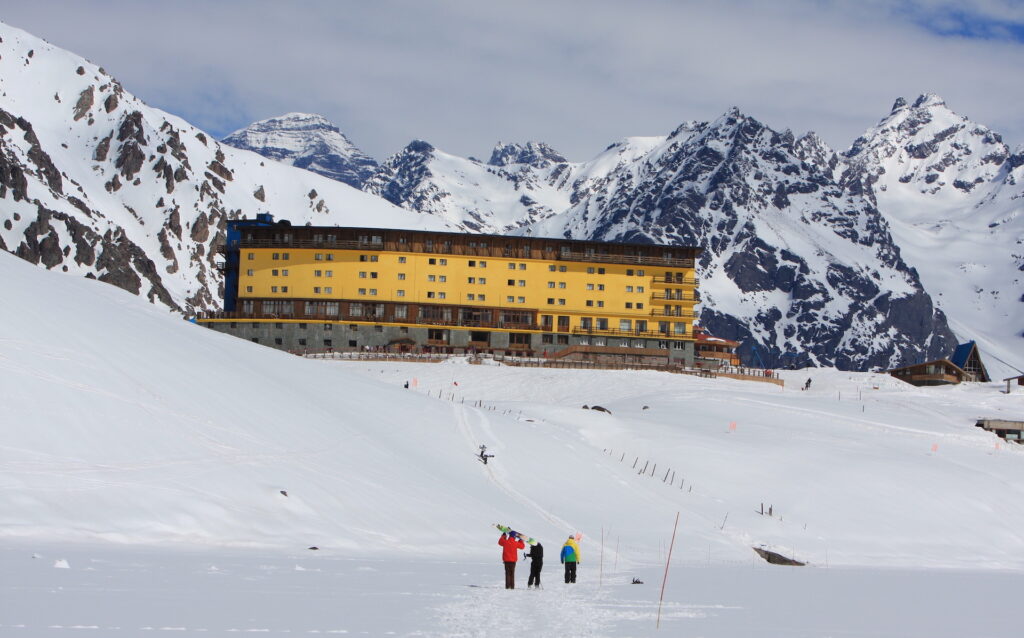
[668,562]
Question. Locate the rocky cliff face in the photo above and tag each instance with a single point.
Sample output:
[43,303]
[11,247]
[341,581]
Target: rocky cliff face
[306,141]
[94,182]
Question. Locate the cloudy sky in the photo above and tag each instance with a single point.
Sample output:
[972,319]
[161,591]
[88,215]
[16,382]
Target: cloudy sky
[579,75]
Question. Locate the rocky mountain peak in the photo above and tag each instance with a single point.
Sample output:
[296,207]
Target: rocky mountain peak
[927,100]
[309,141]
[537,154]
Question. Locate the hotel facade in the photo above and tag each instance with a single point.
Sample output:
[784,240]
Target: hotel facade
[309,288]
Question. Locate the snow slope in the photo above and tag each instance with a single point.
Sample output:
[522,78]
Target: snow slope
[124,424]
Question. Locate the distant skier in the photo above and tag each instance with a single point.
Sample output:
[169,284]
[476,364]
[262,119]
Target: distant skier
[484,455]
[570,558]
[807,385]
[511,544]
[536,554]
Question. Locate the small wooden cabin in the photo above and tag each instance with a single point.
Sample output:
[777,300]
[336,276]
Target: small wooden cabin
[1008,430]
[964,365]
[938,372]
[715,351]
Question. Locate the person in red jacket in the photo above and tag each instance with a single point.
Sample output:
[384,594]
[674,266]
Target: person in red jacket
[510,544]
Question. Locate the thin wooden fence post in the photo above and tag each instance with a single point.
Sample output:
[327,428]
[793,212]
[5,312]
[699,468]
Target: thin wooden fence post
[668,562]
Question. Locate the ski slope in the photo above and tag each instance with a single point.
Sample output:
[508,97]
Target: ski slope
[146,455]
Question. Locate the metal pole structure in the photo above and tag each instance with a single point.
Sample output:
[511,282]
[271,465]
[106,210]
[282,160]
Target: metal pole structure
[668,562]
[600,570]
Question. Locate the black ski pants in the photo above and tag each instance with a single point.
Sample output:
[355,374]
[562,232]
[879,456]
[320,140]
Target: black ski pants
[535,568]
[510,575]
[570,572]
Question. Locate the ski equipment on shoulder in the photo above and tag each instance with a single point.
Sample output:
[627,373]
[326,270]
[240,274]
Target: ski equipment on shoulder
[505,529]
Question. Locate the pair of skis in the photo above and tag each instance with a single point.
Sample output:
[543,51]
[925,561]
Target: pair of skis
[505,529]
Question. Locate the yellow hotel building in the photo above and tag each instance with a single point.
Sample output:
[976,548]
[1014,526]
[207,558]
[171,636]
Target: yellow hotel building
[308,288]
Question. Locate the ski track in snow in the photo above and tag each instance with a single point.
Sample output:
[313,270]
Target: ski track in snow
[485,425]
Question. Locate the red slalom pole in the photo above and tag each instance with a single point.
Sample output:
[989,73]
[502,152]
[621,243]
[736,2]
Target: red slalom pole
[668,561]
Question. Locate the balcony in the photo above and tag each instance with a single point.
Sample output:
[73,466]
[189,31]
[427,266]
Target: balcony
[674,281]
[667,296]
[664,312]
[626,259]
[611,332]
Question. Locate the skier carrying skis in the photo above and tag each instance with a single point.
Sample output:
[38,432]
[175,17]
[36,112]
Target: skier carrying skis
[570,558]
[536,554]
[511,544]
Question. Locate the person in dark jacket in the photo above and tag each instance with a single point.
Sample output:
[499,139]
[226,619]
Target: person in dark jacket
[510,544]
[536,554]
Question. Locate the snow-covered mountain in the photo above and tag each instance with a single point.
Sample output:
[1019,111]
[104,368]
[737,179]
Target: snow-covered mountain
[306,141]
[797,266]
[953,193]
[95,182]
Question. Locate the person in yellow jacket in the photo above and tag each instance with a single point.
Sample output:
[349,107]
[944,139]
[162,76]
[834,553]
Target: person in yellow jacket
[570,557]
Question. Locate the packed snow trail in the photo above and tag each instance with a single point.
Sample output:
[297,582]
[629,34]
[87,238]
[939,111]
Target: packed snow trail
[498,477]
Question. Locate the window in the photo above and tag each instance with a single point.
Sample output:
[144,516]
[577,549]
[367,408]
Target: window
[639,288]
[629,288]
[590,286]
[600,304]
[510,299]
[551,268]
[364,258]
[600,341]
[511,266]
[551,284]
[511,282]
[431,278]
[399,293]
[639,305]
[362,274]
[521,299]
[629,272]
[285,256]
[639,273]
[561,284]
[600,286]
[600,271]
[273,289]
[316,290]
[255,340]
[563,340]
[551,301]
[249,272]
[276,256]
[625,324]
[401,276]
[629,305]
[586,323]
[680,328]
[481,297]
[401,311]
[602,324]
[401,259]
[430,295]
[440,295]
[284,273]
[522,282]
[318,257]
[318,273]
[248,288]
[545,339]
[679,345]
[352,343]
[278,341]
[374,257]
[471,280]
[328,326]
[329,273]
[443,279]
[373,275]
[251,256]
[590,302]
[373,292]
[443,262]
[590,270]
[355,310]
[522,266]
[472,263]
[274,272]
[584,341]
[302,342]
[470,297]
[362,291]
[562,269]
[483,264]
[328,290]
[330,257]
[432,261]
[561,302]
[483,280]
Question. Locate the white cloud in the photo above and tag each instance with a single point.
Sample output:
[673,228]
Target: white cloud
[578,75]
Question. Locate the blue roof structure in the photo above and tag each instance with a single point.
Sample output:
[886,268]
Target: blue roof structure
[959,358]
